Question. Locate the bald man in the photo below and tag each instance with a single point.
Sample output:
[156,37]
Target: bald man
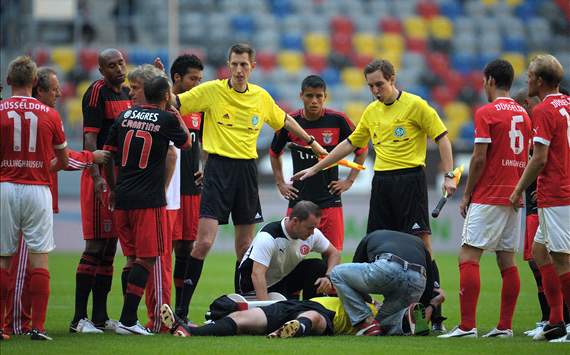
[103,101]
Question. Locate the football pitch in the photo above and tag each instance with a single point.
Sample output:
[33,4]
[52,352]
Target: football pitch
[217,279]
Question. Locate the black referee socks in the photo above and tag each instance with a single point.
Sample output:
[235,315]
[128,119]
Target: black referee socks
[191,278]
[306,325]
[222,327]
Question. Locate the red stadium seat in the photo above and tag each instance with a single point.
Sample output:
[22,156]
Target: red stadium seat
[390,24]
[361,60]
[475,80]
[442,95]
[427,9]
[68,89]
[317,63]
[41,56]
[454,82]
[342,43]
[416,45]
[438,62]
[223,72]
[342,24]
[266,60]
[88,58]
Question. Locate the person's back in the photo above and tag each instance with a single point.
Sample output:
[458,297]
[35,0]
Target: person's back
[404,245]
[505,126]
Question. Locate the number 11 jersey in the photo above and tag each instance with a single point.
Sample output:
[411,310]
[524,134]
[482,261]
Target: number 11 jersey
[505,126]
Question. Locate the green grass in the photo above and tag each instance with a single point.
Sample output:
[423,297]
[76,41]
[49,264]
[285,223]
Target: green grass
[217,279]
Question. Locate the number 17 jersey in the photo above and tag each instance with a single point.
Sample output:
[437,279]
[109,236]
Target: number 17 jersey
[505,126]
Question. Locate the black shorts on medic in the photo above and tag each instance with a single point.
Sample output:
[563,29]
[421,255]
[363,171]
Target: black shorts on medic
[280,312]
[230,186]
[399,201]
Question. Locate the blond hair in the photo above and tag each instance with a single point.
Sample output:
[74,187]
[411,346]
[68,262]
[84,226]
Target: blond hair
[22,72]
[548,68]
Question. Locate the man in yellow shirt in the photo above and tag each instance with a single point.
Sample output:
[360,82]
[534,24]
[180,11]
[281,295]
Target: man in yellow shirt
[234,113]
[398,124]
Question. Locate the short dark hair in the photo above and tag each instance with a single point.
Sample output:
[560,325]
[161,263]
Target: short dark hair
[383,65]
[155,89]
[183,63]
[502,71]
[240,48]
[44,74]
[303,209]
[313,81]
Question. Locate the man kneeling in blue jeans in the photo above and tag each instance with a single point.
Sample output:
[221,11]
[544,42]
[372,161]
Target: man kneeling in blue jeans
[396,265]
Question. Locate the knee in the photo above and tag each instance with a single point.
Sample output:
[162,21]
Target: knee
[201,248]
[336,274]
[148,263]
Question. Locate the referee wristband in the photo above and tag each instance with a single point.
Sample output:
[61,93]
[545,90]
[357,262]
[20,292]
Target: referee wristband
[311,140]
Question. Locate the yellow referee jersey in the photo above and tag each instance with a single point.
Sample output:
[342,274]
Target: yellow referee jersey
[341,322]
[398,131]
[232,120]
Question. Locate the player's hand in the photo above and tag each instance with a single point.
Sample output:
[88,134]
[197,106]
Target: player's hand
[318,149]
[303,174]
[515,199]
[101,156]
[464,205]
[158,64]
[449,186]
[198,178]
[100,186]
[324,285]
[339,186]
[111,200]
[287,191]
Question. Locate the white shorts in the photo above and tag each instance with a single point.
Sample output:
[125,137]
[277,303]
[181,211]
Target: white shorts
[492,228]
[25,209]
[554,229]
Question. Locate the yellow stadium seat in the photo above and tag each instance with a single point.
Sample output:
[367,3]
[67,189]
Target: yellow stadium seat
[74,111]
[317,43]
[354,110]
[416,27]
[514,3]
[291,61]
[352,77]
[489,2]
[457,114]
[517,60]
[82,88]
[440,27]
[64,57]
[364,43]
[393,57]
[390,42]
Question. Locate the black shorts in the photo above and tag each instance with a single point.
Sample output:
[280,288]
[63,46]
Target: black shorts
[399,201]
[283,311]
[230,186]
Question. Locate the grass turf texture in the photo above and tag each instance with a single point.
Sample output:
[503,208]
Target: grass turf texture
[217,279]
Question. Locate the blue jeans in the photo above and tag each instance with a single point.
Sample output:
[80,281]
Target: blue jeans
[400,288]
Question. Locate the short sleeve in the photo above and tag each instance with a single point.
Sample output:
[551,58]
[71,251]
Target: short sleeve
[93,114]
[197,99]
[79,160]
[275,115]
[361,135]
[430,122]
[262,248]
[321,243]
[280,139]
[482,129]
[542,126]
[346,128]
[173,131]
[58,136]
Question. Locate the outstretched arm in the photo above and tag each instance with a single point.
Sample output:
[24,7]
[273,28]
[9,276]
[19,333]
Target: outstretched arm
[339,152]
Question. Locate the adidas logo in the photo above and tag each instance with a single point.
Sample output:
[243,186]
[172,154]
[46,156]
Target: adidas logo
[188,282]
[258,215]
[416,226]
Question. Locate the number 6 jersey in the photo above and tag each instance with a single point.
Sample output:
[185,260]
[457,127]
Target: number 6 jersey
[505,126]
[140,137]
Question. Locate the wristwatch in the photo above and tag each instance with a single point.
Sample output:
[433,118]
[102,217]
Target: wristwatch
[311,140]
[449,175]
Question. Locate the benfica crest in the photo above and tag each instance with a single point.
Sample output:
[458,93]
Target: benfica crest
[327,137]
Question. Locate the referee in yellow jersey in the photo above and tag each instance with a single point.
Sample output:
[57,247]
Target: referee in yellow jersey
[398,123]
[234,113]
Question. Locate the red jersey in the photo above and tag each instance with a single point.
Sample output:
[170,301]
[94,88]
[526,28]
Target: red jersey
[30,131]
[505,126]
[551,126]
[77,161]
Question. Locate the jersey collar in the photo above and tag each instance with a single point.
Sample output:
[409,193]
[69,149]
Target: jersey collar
[557,94]
[397,98]
[503,98]
[239,92]
[321,115]
[285,229]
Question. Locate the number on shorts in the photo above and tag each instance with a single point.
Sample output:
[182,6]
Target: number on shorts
[565,113]
[147,143]
[18,130]
[516,136]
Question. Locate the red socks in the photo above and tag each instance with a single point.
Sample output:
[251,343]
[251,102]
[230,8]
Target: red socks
[509,295]
[552,291]
[5,283]
[565,285]
[39,295]
[469,287]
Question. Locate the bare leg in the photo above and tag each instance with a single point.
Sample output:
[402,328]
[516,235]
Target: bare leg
[253,321]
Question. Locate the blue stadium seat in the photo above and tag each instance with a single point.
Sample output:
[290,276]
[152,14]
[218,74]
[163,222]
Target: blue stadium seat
[243,23]
[140,56]
[463,63]
[467,131]
[451,9]
[419,90]
[292,41]
[281,7]
[331,76]
[514,44]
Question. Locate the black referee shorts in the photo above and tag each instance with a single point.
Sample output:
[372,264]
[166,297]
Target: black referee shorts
[283,311]
[399,201]
[230,186]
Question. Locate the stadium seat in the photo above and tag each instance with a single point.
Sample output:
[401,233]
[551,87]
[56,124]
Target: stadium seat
[67,89]
[354,110]
[437,62]
[361,60]
[474,80]
[74,111]
[517,60]
[81,88]
[342,43]
[353,78]
[280,8]
[451,9]
[467,131]
[242,23]
[419,90]
[342,24]
[331,76]
[390,42]
[41,56]
[441,95]
[416,27]
[514,44]
[463,62]
[292,41]
[457,113]
[291,61]
[266,60]
[223,72]
[316,63]
[317,44]
[427,9]
[416,45]
[390,25]
[393,57]
[64,57]
[441,27]
[364,44]
[454,81]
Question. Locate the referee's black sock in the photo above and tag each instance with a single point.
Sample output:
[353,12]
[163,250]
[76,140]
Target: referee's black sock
[306,325]
[191,278]
[178,276]
[84,280]
[236,277]
[135,289]
[222,327]
[436,315]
